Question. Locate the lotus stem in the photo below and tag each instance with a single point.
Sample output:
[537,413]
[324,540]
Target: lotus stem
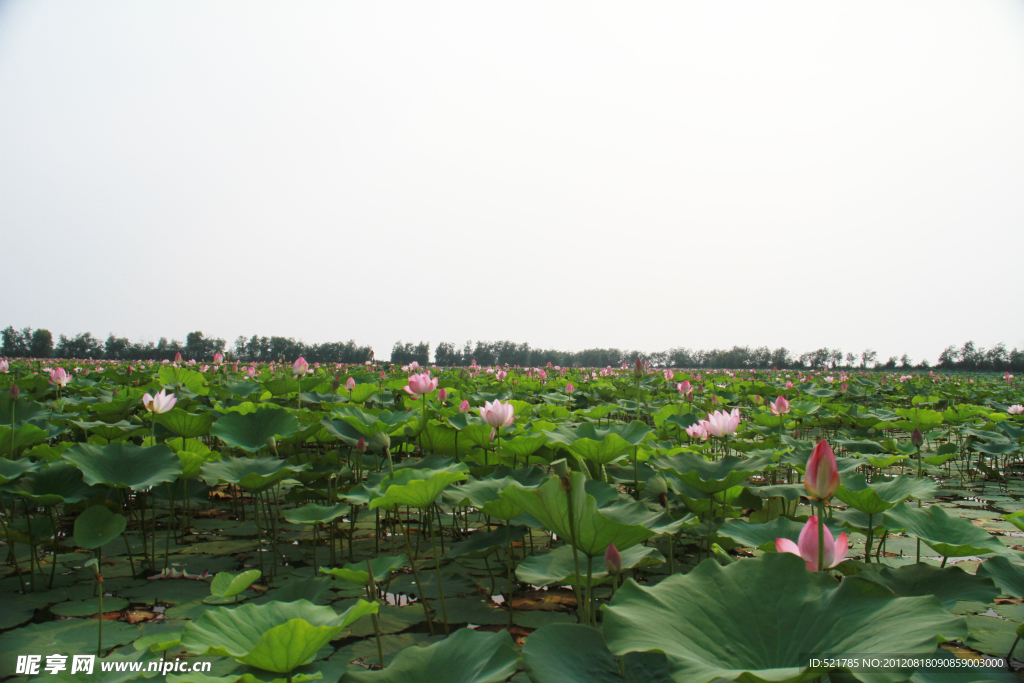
[371,590]
[437,568]
[416,577]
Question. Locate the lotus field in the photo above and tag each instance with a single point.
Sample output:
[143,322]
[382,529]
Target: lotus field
[469,525]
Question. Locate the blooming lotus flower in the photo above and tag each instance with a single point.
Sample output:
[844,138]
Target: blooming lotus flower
[300,367]
[4,366]
[698,431]
[501,375]
[59,376]
[251,372]
[350,383]
[780,406]
[807,546]
[498,414]
[569,388]
[684,387]
[414,366]
[1015,409]
[721,423]
[218,358]
[789,385]
[420,384]
[160,403]
[821,478]
[669,375]
[464,406]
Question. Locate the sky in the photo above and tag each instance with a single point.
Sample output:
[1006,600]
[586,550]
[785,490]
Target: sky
[568,174]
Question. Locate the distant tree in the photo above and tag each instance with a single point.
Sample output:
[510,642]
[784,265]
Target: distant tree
[891,363]
[905,361]
[850,359]
[41,345]
[868,356]
[82,346]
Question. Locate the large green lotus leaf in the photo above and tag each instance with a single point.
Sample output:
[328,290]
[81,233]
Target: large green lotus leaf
[193,454]
[1007,575]
[12,469]
[186,425]
[877,497]
[947,535]
[228,585]
[769,614]
[368,423]
[762,536]
[574,653]
[98,526]
[59,483]
[414,492]
[252,474]
[172,377]
[124,465]
[996,447]
[485,495]
[244,389]
[357,573]
[361,392]
[713,476]
[917,418]
[109,431]
[76,636]
[25,435]
[466,656]
[861,446]
[524,446]
[275,636]
[311,513]
[439,438]
[24,411]
[559,566]
[598,445]
[594,531]
[948,585]
[252,432]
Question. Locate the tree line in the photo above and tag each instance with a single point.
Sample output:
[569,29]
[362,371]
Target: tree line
[29,343]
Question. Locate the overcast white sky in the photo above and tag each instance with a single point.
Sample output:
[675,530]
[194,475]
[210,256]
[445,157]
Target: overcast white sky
[571,174]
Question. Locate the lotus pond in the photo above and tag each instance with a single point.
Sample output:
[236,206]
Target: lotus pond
[467,525]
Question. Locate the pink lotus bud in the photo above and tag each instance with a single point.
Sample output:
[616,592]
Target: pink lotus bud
[684,387]
[613,560]
[15,392]
[758,400]
[821,478]
[789,385]
[639,371]
[669,375]
[300,367]
[917,438]
[780,406]
[4,366]
[569,388]
[218,358]
[442,394]
[464,406]
[177,357]
[361,445]
[698,431]
[501,375]
[350,383]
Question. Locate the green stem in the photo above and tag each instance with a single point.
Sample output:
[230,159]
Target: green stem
[416,576]
[870,539]
[437,568]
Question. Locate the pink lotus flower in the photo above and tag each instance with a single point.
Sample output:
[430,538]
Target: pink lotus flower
[160,403]
[807,546]
[684,387]
[1015,409]
[59,376]
[498,414]
[821,478]
[501,375]
[350,383]
[414,366]
[464,406]
[789,385]
[669,375]
[569,388]
[177,357]
[698,431]
[218,358]
[420,384]
[780,406]
[721,423]
[442,394]
[251,372]
[4,366]
[300,367]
